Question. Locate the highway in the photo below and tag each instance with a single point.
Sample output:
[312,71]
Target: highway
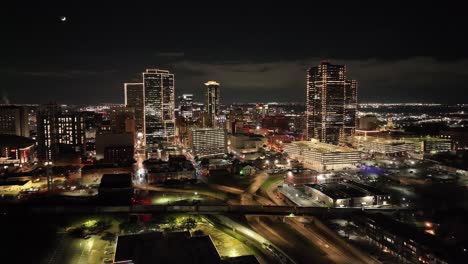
[261,242]
[336,250]
[287,239]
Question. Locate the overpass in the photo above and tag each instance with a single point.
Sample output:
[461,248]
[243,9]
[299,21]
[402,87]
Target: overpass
[194,209]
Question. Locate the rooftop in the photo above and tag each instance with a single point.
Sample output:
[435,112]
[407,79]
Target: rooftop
[15,141]
[338,190]
[427,138]
[170,248]
[13,183]
[322,147]
[212,83]
[432,243]
[121,180]
[382,140]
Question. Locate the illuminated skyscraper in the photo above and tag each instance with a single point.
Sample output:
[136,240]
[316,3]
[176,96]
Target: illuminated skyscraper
[211,102]
[331,103]
[134,98]
[159,120]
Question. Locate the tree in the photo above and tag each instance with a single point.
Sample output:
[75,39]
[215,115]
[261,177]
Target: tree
[171,222]
[189,224]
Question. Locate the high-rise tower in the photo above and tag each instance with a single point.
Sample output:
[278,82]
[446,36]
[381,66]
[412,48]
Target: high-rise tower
[159,119]
[211,102]
[331,103]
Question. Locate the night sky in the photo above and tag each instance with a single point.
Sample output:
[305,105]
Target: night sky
[397,53]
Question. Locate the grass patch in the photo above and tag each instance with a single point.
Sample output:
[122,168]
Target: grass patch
[270,181]
[231,180]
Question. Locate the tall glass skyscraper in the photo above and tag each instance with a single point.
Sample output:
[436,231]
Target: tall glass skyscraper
[211,102]
[331,103]
[159,119]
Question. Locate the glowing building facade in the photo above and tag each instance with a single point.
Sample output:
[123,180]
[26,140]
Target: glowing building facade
[331,103]
[159,119]
[211,102]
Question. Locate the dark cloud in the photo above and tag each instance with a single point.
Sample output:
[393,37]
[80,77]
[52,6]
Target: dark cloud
[258,53]
[412,79]
[170,54]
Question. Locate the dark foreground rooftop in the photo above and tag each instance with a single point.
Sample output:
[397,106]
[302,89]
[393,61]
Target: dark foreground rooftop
[171,248]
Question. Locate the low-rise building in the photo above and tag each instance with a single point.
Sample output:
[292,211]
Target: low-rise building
[384,146]
[170,248]
[16,150]
[405,241]
[14,186]
[430,145]
[176,168]
[248,170]
[246,145]
[321,156]
[298,176]
[347,194]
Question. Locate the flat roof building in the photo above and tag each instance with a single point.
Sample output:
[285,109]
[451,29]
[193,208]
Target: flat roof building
[321,156]
[384,146]
[431,144]
[206,142]
[169,248]
[116,188]
[347,194]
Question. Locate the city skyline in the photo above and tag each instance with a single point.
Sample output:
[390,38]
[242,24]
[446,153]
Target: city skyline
[397,55]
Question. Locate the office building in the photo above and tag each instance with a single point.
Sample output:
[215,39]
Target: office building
[14,120]
[321,156]
[211,102]
[59,132]
[134,98]
[208,141]
[186,105]
[384,146]
[159,119]
[431,145]
[331,103]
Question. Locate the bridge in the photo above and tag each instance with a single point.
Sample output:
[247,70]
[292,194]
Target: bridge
[194,209]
